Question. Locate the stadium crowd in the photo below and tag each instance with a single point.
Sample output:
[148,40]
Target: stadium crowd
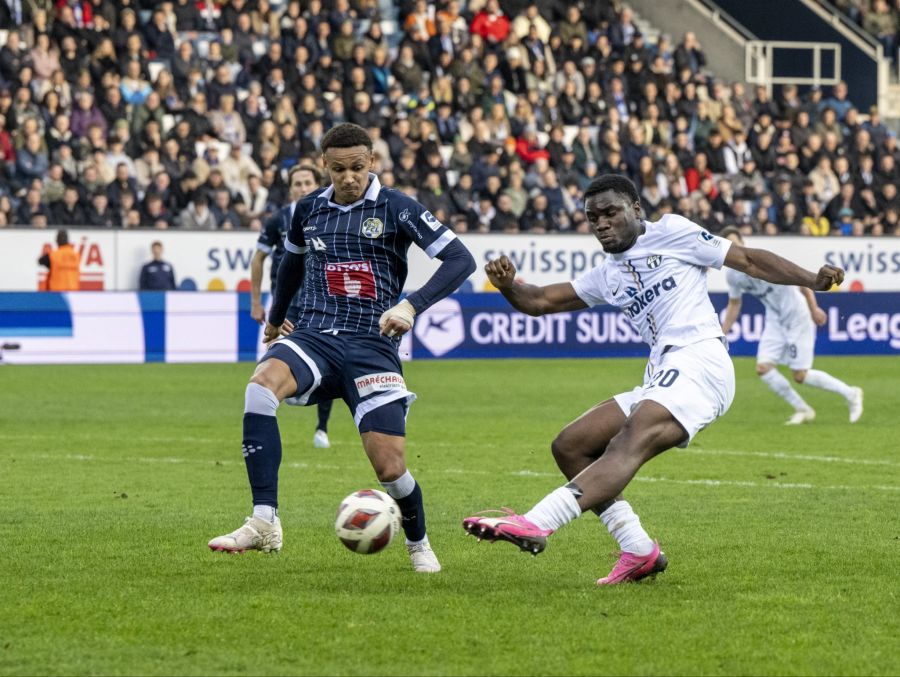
[879,18]
[495,115]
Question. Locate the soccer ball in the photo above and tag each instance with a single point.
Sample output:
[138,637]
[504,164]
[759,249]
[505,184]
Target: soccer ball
[367,521]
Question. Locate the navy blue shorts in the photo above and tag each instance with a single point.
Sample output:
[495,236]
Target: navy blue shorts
[364,370]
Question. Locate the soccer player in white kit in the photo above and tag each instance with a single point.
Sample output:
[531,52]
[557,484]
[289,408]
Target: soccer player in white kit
[789,338]
[656,274]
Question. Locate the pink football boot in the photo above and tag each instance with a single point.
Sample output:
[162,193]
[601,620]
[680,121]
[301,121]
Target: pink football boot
[631,567]
[508,527]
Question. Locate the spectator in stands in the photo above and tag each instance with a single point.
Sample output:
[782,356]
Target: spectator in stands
[155,214]
[29,207]
[225,215]
[157,274]
[68,211]
[64,265]
[881,21]
[99,214]
[31,161]
[197,215]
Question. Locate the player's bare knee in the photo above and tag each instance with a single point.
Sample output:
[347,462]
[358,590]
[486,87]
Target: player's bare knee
[388,469]
[800,375]
[276,376]
[561,448]
[762,369]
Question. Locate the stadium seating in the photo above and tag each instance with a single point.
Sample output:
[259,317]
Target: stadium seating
[490,88]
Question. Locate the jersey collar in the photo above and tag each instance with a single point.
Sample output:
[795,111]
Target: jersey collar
[371,194]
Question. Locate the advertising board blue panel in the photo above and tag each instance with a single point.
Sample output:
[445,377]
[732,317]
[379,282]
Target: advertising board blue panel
[485,326]
[95,327]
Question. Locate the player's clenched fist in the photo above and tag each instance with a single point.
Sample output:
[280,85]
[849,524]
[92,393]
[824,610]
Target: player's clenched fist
[397,320]
[501,272]
[271,332]
[828,277]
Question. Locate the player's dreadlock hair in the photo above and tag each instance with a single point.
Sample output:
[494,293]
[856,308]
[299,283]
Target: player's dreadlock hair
[614,182]
[346,135]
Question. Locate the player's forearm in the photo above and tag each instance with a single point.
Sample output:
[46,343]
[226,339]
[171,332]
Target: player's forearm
[765,265]
[256,272]
[290,276]
[810,299]
[732,313]
[526,298]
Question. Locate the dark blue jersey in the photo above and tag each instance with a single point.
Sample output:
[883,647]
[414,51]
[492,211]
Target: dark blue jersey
[356,263]
[271,239]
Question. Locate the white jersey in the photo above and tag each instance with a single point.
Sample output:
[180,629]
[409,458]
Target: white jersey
[784,305]
[660,283]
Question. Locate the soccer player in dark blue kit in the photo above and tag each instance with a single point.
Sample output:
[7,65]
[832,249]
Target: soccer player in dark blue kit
[302,180]
[347,247]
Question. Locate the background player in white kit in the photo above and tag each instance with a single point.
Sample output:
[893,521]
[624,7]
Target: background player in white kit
[656,273]
[789,338]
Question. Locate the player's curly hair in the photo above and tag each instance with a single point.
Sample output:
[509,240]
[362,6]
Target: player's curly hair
[616,183]
[346,135]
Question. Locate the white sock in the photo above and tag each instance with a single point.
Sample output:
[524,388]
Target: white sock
[555,510]
[821,379]
[265,512]
[625,526]
[782,387]
[260,400]
[401,487]
[424,540]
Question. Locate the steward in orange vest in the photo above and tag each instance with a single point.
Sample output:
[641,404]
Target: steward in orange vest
[64,264]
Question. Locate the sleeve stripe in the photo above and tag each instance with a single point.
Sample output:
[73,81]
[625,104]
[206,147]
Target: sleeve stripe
[264,247]
[294,249]
[438,245]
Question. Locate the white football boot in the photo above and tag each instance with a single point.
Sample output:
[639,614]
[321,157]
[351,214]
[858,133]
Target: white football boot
[424,561]
[802,416]
[320,440]
[855,403]
[255,534]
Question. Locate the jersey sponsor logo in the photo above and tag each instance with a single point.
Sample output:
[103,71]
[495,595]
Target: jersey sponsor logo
[404,216]
[372,228]
[430,221]
[641,299]
[380,382]
[708,238]
[353,278]
[441,327]
[308,228]
[654,261]
[317,244]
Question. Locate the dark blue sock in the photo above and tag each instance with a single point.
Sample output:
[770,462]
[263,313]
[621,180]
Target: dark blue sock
[324,410]
[262,453]
[413,514]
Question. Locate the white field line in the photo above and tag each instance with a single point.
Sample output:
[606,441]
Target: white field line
[412,444]
[461,471]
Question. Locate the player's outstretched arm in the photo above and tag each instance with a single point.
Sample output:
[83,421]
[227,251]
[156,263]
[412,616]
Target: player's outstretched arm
[257,312]
[529,298]
[764,265]
[818,315]
[290,276]
[732,312]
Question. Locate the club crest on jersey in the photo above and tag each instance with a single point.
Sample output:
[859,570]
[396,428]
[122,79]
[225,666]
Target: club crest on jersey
[654,261]
[372,228]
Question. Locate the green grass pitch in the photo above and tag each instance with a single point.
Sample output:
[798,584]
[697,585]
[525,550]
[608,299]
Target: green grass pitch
[783,542]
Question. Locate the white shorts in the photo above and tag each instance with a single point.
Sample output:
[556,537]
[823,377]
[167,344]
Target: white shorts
[792,346]
[694,382]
